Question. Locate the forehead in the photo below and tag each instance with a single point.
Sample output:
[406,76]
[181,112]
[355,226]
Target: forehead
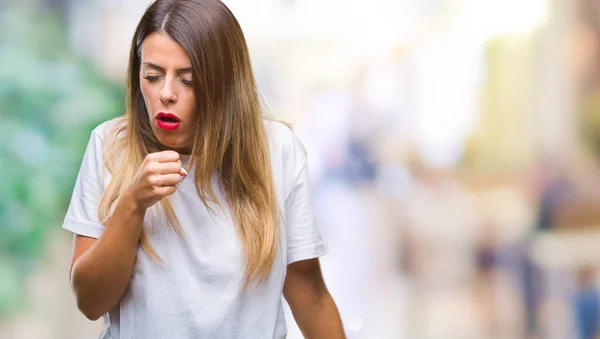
[158,48]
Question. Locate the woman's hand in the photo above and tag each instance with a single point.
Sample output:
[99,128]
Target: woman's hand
[101,268]
[156,178]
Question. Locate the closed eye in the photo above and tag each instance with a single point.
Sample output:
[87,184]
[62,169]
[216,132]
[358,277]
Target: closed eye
[151,78]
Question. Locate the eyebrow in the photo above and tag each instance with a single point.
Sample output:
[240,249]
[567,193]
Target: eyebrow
[158,68]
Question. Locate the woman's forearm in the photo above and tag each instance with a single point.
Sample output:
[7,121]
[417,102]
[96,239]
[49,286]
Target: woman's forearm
[101,275]
[321,320]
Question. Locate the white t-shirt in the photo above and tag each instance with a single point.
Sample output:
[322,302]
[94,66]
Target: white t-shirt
[198,293]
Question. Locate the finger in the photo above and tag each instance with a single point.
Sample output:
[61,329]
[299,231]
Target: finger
[164,156]
[169,168]
[168,180]
[182,172]
[164,191]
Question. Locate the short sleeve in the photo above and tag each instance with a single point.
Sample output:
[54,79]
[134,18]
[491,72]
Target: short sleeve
[82,214]
[304,238]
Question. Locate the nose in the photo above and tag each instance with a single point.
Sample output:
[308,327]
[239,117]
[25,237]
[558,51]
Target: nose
[167,93]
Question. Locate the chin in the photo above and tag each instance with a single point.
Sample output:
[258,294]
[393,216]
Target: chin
[175,146]
[169,145]
[169,140]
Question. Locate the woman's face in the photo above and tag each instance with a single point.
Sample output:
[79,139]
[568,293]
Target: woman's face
[166,84]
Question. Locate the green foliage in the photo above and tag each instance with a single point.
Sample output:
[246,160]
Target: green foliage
[50,100]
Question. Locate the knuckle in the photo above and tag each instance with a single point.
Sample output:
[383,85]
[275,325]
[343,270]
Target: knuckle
[156,190]
[173,154]
[150,168]
[153,180]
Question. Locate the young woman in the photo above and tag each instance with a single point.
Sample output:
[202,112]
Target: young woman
[193,213]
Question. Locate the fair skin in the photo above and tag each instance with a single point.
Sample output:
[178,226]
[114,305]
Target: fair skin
[101,268]
[166,84]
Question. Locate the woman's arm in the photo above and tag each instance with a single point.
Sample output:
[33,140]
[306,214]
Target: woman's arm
[313,307]
[101,268]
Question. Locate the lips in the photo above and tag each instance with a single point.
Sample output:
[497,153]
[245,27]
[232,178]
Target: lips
[167,121]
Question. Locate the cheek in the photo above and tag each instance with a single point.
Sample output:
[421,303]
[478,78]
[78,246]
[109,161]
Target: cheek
[190,104]
[147,94]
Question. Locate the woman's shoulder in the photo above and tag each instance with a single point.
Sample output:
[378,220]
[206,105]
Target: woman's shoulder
[113,126]
[282,137]
[287,150]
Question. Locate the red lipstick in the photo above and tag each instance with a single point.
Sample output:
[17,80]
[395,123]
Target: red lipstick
[167,121]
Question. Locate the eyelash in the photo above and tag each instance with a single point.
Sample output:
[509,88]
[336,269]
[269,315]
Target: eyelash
[153,78]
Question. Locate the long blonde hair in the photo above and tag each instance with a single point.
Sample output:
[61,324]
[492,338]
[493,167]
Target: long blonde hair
[230,133]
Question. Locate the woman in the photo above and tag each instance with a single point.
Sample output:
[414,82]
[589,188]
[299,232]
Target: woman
[234,227]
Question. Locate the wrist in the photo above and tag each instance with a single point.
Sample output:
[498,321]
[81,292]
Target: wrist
[131,205]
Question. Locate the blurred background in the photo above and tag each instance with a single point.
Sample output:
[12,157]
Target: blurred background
[454,147]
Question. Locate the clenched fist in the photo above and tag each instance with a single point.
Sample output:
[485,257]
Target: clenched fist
[156,178]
